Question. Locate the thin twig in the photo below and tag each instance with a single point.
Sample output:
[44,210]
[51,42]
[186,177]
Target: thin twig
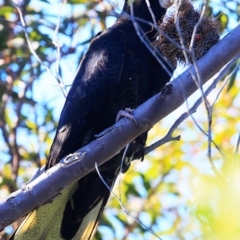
[60,84]
[176,20]
[121,167]
[56,43]
[147,43]
[122,206]
[168,137]
[198,78]
[151,12]
[15,23]
[151,192]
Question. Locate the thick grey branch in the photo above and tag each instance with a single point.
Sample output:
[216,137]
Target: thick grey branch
[168,137]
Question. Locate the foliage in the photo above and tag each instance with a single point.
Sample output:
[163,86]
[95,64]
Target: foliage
[174,192]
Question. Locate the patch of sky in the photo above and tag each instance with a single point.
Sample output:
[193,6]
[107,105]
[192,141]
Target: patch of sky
[32,143]
[9,229]
[201,162]
[107,234]
[164,223]
[14,67]
[183,187]
[118,226]
[145,218]
[172,177]
[238,127]
[3,75]
[139,185]
[4,156]
[168,201]
[143,166]
[110,20]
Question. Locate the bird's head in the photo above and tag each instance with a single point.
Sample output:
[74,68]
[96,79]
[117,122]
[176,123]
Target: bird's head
[183,27]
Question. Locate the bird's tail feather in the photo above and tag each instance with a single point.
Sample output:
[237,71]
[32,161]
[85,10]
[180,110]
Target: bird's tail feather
[89,224]
[44,222]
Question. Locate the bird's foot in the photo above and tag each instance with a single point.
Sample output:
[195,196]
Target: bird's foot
[128,113]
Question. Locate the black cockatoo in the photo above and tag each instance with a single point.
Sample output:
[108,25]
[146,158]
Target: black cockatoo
[118,71]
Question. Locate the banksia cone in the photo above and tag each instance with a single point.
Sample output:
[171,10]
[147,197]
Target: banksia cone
[206,36]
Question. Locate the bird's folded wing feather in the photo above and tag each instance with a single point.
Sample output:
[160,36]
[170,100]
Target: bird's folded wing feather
[93,87]
[92,90]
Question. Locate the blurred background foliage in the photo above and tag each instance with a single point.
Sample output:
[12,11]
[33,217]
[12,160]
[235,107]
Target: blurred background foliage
[175,192]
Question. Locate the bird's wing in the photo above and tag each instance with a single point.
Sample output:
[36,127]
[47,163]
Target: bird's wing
[93,88]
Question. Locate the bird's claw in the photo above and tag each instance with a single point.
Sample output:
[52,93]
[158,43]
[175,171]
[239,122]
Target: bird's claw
[128,113]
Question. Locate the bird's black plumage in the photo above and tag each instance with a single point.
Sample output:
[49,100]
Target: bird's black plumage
[117,72]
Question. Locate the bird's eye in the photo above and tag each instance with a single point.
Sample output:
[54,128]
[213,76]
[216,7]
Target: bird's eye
[198,37]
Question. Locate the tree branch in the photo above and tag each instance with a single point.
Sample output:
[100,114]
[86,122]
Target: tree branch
[115,138]
[168,137]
